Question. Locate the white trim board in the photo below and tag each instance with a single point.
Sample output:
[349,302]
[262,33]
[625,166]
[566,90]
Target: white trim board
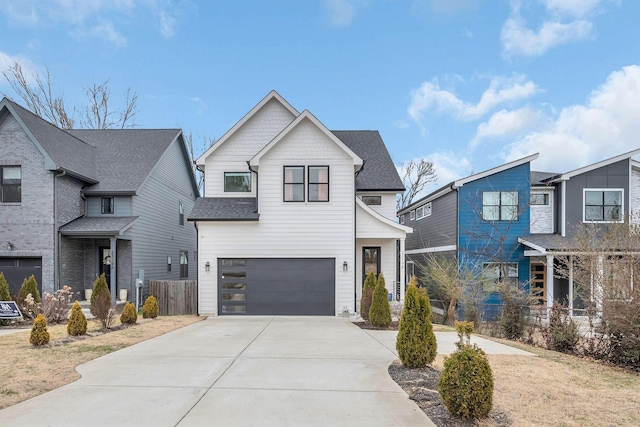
[431,250]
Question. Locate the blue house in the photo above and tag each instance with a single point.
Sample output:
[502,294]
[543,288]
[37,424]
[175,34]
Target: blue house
[476,221]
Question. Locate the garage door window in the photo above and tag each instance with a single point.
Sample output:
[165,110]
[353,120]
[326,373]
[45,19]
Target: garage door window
[233,280]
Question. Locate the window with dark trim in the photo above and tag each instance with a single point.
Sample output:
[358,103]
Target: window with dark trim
[602,205]
[495,273]
[318,184]
[107,205]
[10,184]
[539,199]
[500,205]
[184,264]
[180,213]
[293,190]
[168,264]
[372,200]
[237,182]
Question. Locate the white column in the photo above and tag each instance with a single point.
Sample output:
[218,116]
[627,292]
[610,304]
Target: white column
[549,279]
[571,285]
[114,277]
[402,263]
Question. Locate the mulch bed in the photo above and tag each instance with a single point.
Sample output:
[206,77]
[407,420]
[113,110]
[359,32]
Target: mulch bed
[422,387]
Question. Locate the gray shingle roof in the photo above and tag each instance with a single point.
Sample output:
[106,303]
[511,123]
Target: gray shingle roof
[67,152]
[225,209]
[125,157]
[539,178]
[379,172]
[97,226]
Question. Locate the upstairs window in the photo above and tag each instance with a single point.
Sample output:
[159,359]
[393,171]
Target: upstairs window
[412,215]
[237,182]
[294,184]
[180,213]
[372,200]
[184,264]
[107,207]
[423,211]
[401,219]
[539,199]
[318,183]
[603,205]
[500,205]
[10,184]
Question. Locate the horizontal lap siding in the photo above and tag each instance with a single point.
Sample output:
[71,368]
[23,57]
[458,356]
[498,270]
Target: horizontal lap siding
[289,230]
[438,229]
[233,155]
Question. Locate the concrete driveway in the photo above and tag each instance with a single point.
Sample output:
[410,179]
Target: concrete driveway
[240,371]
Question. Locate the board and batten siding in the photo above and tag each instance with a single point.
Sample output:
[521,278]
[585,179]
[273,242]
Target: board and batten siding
[156,234]
[121,206]
[542,215]
[289,229]
[246,142]
[437,229]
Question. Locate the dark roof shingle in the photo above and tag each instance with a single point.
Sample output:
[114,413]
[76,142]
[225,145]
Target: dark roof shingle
[97,226]
[225,209]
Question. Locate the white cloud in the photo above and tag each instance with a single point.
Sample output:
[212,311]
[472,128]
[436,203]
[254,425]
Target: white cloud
[200,103]
[430,96]
[506,124]
[28,68]
[605,126]
[341,12]
[167,24]
[565,21]
[107,32]
[401,124]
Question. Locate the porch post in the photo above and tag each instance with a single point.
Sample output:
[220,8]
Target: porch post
[549,284]
[112,267]
[402,270]
[571,285]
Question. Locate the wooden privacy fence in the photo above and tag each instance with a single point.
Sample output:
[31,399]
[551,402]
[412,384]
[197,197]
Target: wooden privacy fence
[175,296]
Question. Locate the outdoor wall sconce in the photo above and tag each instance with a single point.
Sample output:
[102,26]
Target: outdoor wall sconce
[9,246]
[345,266]
[207,266]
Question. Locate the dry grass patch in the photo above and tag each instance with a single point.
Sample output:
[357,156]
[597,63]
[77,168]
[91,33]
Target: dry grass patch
[28,371]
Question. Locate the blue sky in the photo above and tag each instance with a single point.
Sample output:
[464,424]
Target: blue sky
[467,84]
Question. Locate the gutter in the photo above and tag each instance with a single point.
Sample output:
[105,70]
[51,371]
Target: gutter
[56,246]
[355,239]
[257,187]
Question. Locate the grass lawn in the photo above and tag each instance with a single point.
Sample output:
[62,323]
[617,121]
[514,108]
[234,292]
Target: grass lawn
[28,371]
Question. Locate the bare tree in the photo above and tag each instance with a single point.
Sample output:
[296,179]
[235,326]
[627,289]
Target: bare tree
[417,175]
[197,146]
[40,99]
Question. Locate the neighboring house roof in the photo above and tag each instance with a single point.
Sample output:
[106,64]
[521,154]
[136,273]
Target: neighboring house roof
[62,151]
[462,181]
[225,209]
[306,115]
[540,179]
[379,173]
[125,157]
[569,175]
[273,95]
[97,226]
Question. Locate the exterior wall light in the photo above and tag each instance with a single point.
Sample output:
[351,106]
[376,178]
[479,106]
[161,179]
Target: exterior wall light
[9,246]
[345,266]
[207,266]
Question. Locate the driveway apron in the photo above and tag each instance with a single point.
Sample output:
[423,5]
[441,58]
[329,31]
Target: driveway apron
[238,371]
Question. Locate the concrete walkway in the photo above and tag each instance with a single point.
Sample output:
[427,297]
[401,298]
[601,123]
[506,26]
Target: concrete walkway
[241,371]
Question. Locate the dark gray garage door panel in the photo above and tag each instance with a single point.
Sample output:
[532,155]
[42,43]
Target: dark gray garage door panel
[15,270]
[287,287]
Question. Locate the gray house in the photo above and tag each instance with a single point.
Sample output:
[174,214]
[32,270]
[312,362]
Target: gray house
[78,203]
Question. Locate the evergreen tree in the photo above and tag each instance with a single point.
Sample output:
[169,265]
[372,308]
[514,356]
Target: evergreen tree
[416,342]
[380,312]
[367,295]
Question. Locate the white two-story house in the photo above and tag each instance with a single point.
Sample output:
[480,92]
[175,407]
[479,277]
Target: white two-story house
[294,216]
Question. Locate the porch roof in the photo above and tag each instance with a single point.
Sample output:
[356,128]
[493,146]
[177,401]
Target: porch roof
[554,244]
[97,226]
[225,209]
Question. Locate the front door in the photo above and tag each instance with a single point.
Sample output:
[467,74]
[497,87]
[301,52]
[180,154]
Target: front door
[370,261]
[104,255]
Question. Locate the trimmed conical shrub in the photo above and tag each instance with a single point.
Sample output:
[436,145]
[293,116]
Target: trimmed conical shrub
[29,286]
[77,321]
[380,312]
[5,295]
[39,333]
[150,308]
[367,295]
[100,294]
[466,382]
[416,342]
[129,314]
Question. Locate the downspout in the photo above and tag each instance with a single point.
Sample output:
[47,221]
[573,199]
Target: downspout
[257,187]
[355,240]
[195,224]
[56,245]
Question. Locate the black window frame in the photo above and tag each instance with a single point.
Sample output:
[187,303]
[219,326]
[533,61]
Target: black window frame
[309,183]
[180,213]
[545,199]
[285,184]
[184,266]
[515,214]
[372,200]
[603,205]
[4,186]
[244,173]
[111,205]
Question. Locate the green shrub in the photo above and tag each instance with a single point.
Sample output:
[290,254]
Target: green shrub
[512,319]
[29,286]
[466,383]
[150,308]
[562,333]
[100,290]
[380,311]
[367,295]
[129,314]
[39,333]
[77,321]
[4,296]
[416,342]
